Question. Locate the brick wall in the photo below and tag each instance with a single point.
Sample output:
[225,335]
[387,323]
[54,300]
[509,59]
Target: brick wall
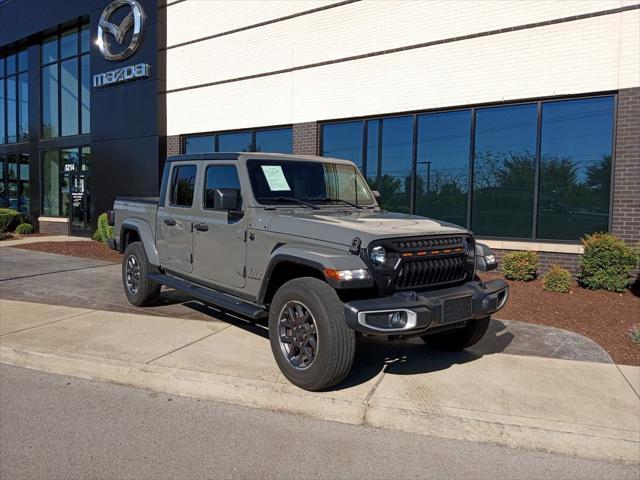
[626,190]
[53,228]
[570,261]
[173,145]
[305,138]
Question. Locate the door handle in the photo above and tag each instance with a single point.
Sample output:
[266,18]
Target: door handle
[169,221]
[201,227]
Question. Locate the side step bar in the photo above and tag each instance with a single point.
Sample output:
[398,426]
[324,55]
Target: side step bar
[219,299]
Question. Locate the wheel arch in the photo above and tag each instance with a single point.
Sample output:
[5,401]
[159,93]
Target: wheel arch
[133,230]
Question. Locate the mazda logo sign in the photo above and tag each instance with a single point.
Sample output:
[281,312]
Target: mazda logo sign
[134,19]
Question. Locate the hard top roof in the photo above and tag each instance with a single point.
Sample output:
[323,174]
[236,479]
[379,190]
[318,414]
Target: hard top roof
[257,155]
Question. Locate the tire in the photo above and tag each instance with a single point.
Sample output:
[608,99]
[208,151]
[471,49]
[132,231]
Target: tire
[146,291]
[460,338]
[335,343]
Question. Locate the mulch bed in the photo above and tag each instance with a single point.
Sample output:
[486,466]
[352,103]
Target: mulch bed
[92,249]
[603,316]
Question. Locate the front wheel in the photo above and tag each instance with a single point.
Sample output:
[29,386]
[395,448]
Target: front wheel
[309,336]
[139,289]
[459,338]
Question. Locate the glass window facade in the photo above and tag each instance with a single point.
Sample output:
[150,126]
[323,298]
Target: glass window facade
[64,183]
[65,83]
[278,140]
[14,181]
[539,170]
[14,98]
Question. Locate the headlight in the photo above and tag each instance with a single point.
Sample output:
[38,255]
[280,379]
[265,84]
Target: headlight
[347,275]
[378,255]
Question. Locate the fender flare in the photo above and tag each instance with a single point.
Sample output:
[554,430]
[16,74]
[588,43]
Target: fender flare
[318,260]
[143,229]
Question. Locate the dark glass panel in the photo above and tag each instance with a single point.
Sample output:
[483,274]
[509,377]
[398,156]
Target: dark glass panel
[50,101]
[51,183]
[442,181]
[69,43]
[2,106]
[373,150]
[278,141]
[50,50]
[11,64]
[343,140]
[235,142]
[69,96]
[199,144]
[69,188]
[24,191]
[575,171]
[505,154]
[23,111]
[12,180]
[182,186]
[12,106]
[219,177]
[394,180]
[2,192]
[85,161]
[85,38]
[23,61]
[85,89]
[1,66]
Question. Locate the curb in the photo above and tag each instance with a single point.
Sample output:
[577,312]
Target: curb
[519,432]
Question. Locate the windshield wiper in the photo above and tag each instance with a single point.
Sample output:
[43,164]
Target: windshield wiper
[288,199]
[326,199]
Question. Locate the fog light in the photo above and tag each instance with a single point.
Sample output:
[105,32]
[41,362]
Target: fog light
[398,319]
[489,259]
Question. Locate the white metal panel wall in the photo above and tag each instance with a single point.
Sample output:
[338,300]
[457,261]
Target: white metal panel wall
[589,55]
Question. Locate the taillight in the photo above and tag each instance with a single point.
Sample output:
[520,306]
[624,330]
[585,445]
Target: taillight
[111,217]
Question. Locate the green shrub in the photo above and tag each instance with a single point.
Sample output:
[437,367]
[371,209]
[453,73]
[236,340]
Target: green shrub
[557,279]
[520,266]
[606,263]
[104,231]
[24,229]
[9,219]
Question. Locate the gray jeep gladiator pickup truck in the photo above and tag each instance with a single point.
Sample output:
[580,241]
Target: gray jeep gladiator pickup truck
[302,241]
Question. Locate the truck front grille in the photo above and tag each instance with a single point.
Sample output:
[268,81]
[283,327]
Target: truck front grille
[431,272]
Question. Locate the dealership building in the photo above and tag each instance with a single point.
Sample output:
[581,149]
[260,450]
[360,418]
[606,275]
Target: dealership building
[517,119]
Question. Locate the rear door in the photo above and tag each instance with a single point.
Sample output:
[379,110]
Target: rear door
[174,221]
[220,249]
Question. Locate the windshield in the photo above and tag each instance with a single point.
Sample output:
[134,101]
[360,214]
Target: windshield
[275,181]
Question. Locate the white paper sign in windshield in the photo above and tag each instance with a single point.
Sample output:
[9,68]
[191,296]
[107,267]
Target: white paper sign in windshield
[275,178]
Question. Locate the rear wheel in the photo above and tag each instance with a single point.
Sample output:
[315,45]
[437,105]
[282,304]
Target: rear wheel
[309,336]
[459,338]
[139,289]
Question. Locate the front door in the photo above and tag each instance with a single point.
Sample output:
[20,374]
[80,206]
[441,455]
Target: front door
[220,248]
[79,211]
[174,221]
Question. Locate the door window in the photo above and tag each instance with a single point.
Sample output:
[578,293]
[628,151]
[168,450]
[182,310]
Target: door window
[182,185]
[223,176]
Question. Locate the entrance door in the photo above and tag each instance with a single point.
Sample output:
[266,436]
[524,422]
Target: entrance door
[79,211]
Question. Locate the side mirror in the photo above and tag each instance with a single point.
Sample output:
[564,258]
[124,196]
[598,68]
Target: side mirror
[485,259]
[226,199]
[376,194]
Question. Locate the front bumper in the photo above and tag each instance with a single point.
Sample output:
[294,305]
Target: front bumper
[437,309]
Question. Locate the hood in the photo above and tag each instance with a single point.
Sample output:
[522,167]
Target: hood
[342,226]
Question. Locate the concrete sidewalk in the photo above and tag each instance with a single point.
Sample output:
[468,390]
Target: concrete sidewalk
[48,238]
[587,409]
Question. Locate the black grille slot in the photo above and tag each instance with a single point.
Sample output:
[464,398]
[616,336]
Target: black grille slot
[431,271]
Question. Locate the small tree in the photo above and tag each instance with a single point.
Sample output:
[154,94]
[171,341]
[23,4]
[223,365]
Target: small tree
[520,266]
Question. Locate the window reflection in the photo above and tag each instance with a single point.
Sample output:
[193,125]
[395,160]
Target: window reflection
[393,175]
[235,142]
[442,180]
[575,172]
[343,140]
[69,96]
[504,171]
[277,141]
[199,144]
